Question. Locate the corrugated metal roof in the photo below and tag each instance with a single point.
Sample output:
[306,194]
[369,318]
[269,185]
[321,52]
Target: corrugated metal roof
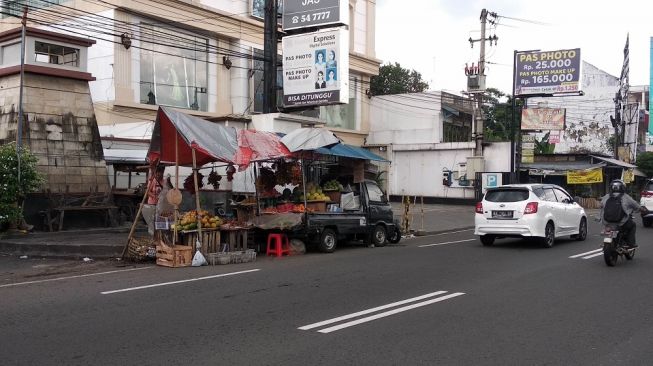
[561,165]
[615,162]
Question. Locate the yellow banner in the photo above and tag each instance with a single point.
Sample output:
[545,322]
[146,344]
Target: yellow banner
[629,176]
[585,176]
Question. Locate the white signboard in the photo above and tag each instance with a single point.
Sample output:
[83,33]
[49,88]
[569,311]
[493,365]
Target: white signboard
[316,68]
[314,13]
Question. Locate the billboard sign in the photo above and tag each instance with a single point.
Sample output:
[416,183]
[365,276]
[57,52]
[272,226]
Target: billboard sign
[547,72]
[589,176]
[314,13]
[316,68]
[543,119]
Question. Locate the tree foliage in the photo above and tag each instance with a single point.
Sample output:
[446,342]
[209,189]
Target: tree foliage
[12,192]
[394,79]
[498,115]
[645,163]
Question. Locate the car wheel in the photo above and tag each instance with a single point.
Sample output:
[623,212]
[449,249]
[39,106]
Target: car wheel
[549,235]
[487,240]
[395,236]
[582,230]
[647,221]
[328,241]
[379,236]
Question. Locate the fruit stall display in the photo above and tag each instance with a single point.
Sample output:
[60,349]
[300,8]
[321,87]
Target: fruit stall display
[190,221]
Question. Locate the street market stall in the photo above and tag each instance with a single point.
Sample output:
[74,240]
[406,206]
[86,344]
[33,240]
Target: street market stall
[304,178]
[182,140]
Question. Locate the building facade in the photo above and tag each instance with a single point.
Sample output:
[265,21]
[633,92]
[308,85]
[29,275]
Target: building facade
[202,56]
[59,125]
[428,138]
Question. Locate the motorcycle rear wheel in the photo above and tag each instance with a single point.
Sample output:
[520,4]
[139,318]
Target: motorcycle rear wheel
[610,256]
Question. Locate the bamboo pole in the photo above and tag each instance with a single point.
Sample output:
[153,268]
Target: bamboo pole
[176,214]
[138,214]
[197,200]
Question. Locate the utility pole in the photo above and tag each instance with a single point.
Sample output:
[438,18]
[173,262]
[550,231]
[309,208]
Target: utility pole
[478,117]
[21,117]
[270,54]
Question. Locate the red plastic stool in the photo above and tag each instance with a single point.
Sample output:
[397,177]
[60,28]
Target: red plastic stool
[278,245]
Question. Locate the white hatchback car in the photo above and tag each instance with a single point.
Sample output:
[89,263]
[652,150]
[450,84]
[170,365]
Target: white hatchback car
[542,211]
[646,201]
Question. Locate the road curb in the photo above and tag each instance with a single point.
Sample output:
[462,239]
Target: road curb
[436,232]
[56,250]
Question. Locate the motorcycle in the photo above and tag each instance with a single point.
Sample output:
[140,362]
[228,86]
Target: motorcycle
[614,245]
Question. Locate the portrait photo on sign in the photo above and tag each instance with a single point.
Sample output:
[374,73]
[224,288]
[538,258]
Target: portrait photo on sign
[331,78]
[320,69]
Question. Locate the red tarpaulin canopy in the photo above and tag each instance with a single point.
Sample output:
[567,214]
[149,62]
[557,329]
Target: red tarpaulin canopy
[211,141]
[258,146]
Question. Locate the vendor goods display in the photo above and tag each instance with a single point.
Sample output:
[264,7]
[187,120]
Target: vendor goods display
[189,184]
[190,220]
[214,179]
[332,185]
[314,193]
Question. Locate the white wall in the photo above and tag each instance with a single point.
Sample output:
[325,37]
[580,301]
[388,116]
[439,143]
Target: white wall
[231,6]
[100,65]
[497,157]
[360,27]
[406,118]
[419,173]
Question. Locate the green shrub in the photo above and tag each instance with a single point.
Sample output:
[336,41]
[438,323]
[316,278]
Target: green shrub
[12,190]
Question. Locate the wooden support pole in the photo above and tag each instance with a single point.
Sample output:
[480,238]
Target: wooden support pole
[197,199]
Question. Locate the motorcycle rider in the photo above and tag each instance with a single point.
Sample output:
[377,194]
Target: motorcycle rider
[629,206]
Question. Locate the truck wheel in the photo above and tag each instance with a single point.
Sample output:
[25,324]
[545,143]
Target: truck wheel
[328,241]
[395,235]
[379,236]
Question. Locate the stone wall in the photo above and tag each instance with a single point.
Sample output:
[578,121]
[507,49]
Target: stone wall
[59,128]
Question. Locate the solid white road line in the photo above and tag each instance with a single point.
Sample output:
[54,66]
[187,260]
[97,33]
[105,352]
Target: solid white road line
[388,313]
[447,233]
[445,243]
[586,253]
[69,277]
[593,255]
[177,282]
[344,317]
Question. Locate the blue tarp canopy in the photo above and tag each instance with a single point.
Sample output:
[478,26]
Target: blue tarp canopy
[349,151]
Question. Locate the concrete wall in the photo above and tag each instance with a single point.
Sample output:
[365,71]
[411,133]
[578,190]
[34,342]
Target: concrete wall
[407,118]
[588,126]
[60,129]
[419,172]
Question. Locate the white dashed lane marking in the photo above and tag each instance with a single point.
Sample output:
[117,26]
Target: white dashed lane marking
[414,302]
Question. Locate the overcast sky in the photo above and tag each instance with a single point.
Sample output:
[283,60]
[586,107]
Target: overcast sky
[431,36]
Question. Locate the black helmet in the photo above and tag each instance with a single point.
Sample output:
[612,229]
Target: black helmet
[617,186]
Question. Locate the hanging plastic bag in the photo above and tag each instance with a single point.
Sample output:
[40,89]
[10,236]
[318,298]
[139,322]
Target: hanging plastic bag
[198,258]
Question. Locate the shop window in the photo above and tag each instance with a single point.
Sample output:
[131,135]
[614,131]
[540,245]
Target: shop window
[345,115]
[15,8]
[56,54]
[174,74]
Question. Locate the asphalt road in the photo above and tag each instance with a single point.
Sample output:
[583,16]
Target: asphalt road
[436,300]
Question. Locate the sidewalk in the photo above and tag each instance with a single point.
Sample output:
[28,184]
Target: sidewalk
[109,242]
[437,217]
